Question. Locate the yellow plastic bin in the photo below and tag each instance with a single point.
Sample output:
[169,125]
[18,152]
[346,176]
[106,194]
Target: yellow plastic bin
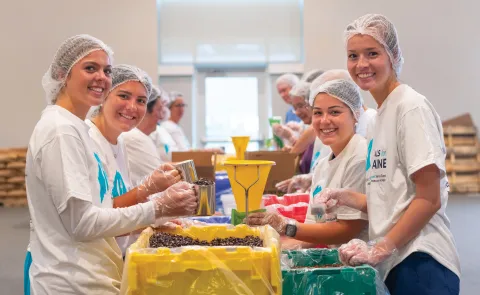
[205,270]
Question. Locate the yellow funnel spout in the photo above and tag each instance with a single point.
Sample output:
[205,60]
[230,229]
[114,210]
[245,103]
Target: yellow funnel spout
[240,143]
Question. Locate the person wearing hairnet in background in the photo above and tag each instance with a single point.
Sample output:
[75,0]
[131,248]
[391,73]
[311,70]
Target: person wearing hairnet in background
[73,225]
[123,109]
[336,108]
[284,84]
[162,139]
[406,183]
[177,110]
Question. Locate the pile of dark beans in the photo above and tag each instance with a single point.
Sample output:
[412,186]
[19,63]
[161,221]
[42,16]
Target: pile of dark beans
[171,241]
[203,181]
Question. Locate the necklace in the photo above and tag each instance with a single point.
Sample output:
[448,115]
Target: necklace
[115,149]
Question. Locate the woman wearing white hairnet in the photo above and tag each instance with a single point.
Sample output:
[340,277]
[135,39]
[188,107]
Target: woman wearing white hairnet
[162,139]
[406,183]
[72,240]
[123,109]
[336,108]
[177,110]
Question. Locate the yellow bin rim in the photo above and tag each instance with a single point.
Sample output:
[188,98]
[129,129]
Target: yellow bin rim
[247,163]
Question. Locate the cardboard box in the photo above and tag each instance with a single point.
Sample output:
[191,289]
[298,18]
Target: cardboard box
[205,162]
[285,166]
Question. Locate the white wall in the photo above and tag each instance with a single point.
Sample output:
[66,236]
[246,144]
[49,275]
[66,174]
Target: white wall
[439,39]
[31,33]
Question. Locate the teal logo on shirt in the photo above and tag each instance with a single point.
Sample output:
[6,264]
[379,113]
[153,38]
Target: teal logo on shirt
[167,148]
[314,159]
[370,146]
[317,190]
[102,178]
[119,187]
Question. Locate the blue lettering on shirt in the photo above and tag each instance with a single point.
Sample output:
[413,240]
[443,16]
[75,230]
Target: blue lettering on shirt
[102,178]
[119,187]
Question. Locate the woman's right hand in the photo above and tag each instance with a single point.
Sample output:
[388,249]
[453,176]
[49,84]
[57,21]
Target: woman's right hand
[178,200]
[283,185]
[161,178]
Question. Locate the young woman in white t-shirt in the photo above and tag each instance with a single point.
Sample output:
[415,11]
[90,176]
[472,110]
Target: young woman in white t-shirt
[406,183]
[336,106]
[123,109]
[72,242]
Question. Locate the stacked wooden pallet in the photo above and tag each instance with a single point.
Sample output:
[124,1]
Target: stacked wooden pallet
[12,177]
[463,155]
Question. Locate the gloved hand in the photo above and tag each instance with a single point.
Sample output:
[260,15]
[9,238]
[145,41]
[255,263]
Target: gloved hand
[331,198]
[357,252]
[295,126]
[178,200]
[299,184]
[284,132]
[159,180]
[274,219]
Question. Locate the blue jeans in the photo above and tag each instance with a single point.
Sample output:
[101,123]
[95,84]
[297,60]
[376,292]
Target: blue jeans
[26,273]
[419,273]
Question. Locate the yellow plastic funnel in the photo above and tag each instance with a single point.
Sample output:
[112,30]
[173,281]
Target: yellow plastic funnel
[248,180]
[240,143]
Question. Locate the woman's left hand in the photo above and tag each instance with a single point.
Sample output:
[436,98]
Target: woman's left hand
[275,220]
[357,252]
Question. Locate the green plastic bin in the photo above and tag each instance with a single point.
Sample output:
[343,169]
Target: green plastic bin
[359,280]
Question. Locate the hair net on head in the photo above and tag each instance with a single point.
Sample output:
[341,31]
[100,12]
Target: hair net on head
[345,91]
[382,30]
[330,75]
[173,97]
[301,89]
[289,79]
[70,52]
[126,73]
[312,75]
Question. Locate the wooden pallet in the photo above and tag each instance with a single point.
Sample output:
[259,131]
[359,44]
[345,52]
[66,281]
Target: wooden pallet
[13,202]
[12,177]
[463,158]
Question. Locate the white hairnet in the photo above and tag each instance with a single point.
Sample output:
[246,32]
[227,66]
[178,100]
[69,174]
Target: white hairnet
[301,89]
[345,91]
[330,75]
[125,73]
[382,30]
[289,79]
[158,92]
[70,52]
[312,75]
[173,97]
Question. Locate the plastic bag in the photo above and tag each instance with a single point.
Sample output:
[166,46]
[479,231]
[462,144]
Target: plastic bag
[319,271]
[198,270]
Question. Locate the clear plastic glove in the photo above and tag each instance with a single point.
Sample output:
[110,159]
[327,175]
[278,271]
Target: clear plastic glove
[331,198]
[357,252]
[158,181]
[284,132]
[274,219]
[297,184]
[178,200]
[295,126]
[287,149]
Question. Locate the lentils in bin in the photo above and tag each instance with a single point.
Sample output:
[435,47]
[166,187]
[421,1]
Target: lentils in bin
[172,241]
[203,181]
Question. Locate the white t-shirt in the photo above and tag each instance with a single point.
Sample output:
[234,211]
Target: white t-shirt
[406,137]
[142,155]
[114,160]
[365,120]
[176,132]
[164,143]
[347,170]
[61,164]
[320,151]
